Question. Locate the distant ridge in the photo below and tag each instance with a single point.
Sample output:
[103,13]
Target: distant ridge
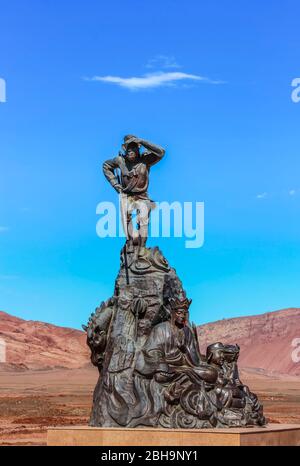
[38,345]
[265,341]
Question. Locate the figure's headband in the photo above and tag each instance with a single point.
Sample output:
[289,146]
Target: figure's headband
[129,139]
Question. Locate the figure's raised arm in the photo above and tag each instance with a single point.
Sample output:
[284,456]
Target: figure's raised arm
[109,170]
[153,154]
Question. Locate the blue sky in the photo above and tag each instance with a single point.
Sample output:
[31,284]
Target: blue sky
[232,141]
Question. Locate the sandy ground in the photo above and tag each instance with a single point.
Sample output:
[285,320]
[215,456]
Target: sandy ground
[30,401]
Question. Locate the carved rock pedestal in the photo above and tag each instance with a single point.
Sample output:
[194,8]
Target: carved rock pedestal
[151,372]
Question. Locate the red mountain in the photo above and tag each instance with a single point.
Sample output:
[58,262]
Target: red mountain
[37,345]
[266,340]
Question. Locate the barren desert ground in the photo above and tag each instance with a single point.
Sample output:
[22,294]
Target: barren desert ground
[30,401]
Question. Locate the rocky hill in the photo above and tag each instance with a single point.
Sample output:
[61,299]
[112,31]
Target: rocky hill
[266,340]
[38,345]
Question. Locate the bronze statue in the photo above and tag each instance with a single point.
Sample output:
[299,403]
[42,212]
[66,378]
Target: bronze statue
[128,174]
[240,406]
[151,371]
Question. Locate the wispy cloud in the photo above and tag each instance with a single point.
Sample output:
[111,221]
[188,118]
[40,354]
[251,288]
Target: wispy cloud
[162,62]
[286,193]
[261,196]
[152,80]
[3,229]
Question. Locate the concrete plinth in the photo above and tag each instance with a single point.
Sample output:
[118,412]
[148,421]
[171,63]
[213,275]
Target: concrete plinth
[273,434]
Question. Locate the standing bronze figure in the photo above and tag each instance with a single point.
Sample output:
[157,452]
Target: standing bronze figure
[151,371]
[129,175]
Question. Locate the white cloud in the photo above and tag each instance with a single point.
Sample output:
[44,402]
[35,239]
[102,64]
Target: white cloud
[261,196]
[3,229]
[152,80]
[162,61]
[290,192]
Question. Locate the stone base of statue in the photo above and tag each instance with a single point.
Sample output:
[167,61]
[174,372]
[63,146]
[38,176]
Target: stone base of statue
[151,371]
[272,435]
